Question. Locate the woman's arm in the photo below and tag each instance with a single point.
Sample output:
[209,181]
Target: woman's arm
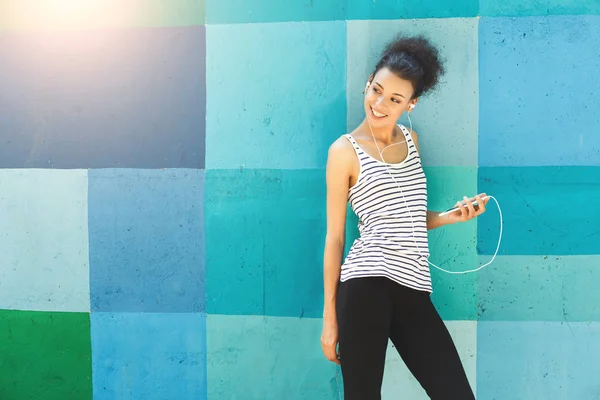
[435,221]
[337,178]
[464,214]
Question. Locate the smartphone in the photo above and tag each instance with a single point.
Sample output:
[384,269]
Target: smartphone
[464,205]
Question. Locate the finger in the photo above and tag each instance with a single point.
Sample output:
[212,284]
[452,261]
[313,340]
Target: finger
[483,198]
[470,208]
[330,352]
[332,355]
[462,209]
[480,205]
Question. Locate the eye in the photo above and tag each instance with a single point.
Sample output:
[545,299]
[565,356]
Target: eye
[396,101]
[376,90]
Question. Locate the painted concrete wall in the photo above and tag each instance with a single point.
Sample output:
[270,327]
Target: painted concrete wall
[162,193]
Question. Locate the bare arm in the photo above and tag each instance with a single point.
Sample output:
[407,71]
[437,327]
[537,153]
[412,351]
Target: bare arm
[337,177]
[433,217]
[435,221]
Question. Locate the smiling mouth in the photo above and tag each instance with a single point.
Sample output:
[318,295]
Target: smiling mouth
[377,114]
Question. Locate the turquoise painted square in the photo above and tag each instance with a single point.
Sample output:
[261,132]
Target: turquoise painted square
[453,247]
[255,11]
[546,210]
[265,234]
[544,8]
[269,358]
[540,288]
[446,119]
[403,9]
[538,360]
[537,106]
[276,94]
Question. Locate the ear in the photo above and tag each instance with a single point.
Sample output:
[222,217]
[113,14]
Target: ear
[412,104]
[369,82]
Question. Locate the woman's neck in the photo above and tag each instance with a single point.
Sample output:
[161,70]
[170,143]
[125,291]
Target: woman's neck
[385,135]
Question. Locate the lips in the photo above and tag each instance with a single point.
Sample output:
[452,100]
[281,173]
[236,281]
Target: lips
[378,114]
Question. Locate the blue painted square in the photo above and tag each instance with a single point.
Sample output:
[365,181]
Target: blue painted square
[546,210]
[265,233]
[96,98]
[537,105]
[538,360]
[276,94]
[520,8]
[147,240]
[148,356]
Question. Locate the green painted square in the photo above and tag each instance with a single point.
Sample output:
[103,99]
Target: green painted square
[45,356]
[453,247]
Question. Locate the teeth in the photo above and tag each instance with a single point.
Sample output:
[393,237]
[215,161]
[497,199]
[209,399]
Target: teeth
[378,115]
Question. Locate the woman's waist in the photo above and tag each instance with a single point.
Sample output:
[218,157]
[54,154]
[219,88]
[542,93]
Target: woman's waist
[415,243]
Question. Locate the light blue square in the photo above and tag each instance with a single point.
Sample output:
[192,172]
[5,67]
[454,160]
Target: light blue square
[538,103]
[148,356]
[44,259]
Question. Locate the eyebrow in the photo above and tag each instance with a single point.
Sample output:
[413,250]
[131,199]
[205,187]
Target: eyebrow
[397,94]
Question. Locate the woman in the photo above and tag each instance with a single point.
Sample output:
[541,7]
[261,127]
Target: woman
[382,289]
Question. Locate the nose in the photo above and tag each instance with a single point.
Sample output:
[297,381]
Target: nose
[379,100]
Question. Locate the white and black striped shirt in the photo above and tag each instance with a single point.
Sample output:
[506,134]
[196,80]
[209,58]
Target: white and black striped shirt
[390,201]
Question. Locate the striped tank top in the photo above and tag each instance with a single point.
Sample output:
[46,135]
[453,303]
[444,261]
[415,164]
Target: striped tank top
[389,245]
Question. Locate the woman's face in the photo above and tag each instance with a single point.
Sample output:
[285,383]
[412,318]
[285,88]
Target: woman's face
[386,98]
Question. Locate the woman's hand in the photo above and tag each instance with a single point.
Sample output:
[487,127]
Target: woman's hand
[329,340]
[470,211]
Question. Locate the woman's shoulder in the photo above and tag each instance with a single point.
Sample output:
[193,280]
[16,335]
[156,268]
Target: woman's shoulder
[413,135]
[341,145]
[341,150]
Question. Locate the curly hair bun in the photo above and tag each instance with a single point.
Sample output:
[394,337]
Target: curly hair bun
[415,59]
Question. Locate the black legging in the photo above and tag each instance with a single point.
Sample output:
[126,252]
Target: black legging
[372,310]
